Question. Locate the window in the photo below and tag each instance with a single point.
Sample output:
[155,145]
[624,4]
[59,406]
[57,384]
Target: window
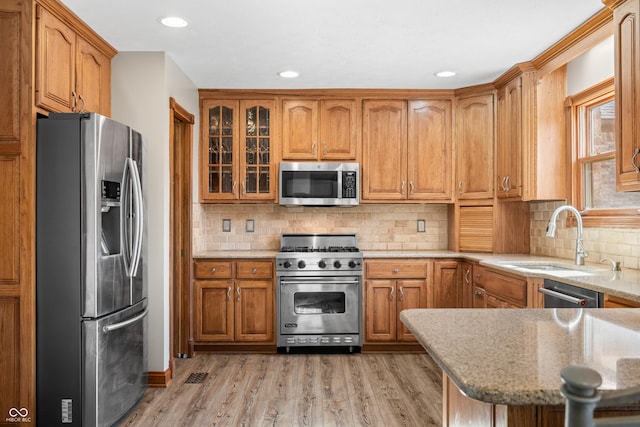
[594,168]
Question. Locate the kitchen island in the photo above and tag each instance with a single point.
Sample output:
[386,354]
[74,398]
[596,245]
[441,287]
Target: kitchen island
[502,367]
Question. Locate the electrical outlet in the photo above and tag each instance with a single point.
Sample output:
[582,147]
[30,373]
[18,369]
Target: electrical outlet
[250,226]
[226,225]
[421,226]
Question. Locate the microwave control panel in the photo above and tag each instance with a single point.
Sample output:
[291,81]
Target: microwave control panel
[349,189]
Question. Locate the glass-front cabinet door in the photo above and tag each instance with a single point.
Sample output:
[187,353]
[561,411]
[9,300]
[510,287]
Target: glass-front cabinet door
[219,176]
[256,149]
[236,150]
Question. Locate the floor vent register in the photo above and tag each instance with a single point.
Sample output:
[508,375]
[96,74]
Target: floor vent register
[196,378]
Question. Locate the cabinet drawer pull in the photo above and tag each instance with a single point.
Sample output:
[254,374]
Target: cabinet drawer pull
[401,296]
[238,293]
[402,188]
[477,275]
[254,271]
[459,187]
[74,102]
[84,104]
[412,187]
[396,270]
[466,276]
[213,269]
[633,160]
[229,293]
[391,294]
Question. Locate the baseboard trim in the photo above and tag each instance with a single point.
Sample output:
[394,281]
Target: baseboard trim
[160,379]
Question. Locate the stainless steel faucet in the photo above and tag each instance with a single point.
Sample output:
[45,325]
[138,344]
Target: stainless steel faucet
[581,253]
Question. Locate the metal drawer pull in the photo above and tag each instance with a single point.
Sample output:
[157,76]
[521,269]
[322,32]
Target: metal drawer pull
[401,297]
[113,327]
[466,276]
[254,271]
[238,293]
[396,270]
[229,293]
[213,269]
[577,301]
[633,160]
[391,294]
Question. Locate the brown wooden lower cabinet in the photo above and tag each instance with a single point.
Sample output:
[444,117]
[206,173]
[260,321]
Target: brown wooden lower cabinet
[611,301]
[390,287]
[460,410]
[234,302]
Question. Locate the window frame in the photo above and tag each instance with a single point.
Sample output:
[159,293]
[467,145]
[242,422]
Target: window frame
[614,218]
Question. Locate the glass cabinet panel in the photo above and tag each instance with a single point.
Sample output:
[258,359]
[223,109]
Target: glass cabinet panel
[257,145]
[220,158]
[236,151]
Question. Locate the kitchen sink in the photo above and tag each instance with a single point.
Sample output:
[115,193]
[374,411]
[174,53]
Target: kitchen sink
[551,269]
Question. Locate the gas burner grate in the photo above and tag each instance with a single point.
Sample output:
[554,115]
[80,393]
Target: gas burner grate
[196,378]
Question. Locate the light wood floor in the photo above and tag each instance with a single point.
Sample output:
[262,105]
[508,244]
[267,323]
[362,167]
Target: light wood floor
[383,390]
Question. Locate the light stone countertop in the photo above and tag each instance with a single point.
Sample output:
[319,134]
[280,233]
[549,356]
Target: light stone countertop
[623,284]
[514,356]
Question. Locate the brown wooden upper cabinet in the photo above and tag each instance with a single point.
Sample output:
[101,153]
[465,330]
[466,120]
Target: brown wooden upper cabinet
[72,74]
[475,136]
[236,155]
[407,150]
[626,16]
[530,147]
[319,129]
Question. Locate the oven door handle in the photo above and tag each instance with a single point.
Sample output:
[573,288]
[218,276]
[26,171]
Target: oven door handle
[577,301]
[315,281]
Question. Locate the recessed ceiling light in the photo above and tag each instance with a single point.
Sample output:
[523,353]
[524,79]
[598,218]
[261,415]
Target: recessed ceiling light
[174,22]
[289,74]
[446,73]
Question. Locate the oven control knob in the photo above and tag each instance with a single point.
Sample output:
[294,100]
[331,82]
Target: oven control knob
[322,263]
[286,264]
[352,264]
[337,264]
[302,264]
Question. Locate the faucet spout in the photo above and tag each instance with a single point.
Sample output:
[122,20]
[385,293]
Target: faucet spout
[581,253]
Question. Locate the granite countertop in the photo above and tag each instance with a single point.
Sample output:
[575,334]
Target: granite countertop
[599,277]
[514,356]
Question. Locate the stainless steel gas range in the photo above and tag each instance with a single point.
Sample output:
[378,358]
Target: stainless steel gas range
[319,291]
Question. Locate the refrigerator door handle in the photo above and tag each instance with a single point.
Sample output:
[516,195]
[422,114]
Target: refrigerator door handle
[108,328]
[127,249]
[132,235]
[138,216]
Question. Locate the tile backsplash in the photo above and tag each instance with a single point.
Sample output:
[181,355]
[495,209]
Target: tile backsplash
[393,227]
[379,226]
[619,244]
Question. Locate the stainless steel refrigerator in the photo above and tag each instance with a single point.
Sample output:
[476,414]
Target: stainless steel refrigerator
[91,296]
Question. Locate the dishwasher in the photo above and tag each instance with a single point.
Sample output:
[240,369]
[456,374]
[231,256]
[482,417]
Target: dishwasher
[563,295]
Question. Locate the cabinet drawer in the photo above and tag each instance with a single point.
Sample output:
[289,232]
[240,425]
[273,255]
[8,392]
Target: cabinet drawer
[213,269]
[479,275]
[507,287]
[254,270]
[397,269]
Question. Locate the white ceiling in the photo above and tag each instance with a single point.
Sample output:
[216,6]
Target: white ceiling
[397,44]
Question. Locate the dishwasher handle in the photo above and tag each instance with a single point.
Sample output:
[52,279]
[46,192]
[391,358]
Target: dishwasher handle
[577,301]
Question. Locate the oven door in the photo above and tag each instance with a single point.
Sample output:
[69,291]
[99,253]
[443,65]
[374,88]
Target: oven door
[319,305]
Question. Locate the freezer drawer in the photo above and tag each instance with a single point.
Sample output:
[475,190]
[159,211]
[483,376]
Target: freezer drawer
[114,364]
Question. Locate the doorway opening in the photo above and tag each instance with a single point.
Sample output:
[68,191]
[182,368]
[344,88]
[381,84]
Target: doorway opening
[181,148]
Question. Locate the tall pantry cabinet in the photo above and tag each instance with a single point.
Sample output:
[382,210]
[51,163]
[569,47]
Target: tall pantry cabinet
[19,65]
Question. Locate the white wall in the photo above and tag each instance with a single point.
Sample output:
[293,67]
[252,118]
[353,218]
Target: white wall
[593,66]
[142,83]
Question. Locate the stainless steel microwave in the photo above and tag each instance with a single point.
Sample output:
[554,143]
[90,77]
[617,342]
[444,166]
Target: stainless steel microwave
[319,184]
